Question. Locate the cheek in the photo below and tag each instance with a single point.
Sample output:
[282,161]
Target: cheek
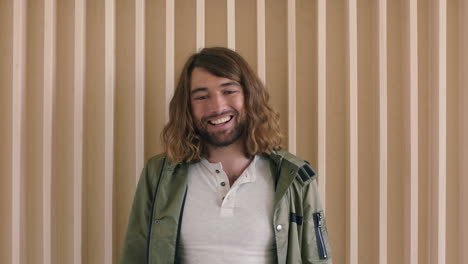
[239,103]
[197,111]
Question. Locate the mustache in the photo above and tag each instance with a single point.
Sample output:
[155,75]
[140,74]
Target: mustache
[232,112]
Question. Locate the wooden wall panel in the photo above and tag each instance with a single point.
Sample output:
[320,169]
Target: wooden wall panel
[155,72]
[246,32]
[185,34]
[306,82]
[398,157]
[125,108]
[368,140]
[6,130]
[452,172]
[337,128]
[34,111]
[63,138]
[463,125]
[94,135]
[276,60]
[371,92]
[216,23]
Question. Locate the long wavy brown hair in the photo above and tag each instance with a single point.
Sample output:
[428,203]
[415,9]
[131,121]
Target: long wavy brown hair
[262,132]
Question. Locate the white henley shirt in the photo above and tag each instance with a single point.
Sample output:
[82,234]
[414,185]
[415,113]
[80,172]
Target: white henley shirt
[228,224]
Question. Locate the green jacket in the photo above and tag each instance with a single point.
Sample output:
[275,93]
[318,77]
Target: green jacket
[155,219]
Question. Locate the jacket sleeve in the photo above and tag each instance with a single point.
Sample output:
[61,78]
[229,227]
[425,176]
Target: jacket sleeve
[315,244]
[135,243]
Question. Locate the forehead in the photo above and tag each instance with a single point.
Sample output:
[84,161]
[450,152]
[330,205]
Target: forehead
[202,78]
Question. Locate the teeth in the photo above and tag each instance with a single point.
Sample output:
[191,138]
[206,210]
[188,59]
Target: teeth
[221,120]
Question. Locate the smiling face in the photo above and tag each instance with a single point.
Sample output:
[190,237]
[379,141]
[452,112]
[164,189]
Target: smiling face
[217,108]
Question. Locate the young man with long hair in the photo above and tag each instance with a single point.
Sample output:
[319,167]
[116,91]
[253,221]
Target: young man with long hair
[223,191]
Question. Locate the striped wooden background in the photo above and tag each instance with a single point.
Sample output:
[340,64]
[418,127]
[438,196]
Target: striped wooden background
[373,92]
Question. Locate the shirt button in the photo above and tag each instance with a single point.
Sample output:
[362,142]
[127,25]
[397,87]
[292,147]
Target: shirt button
[279,227]
[223,184]
[217,171]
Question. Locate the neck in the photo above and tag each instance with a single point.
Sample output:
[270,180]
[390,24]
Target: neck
[232,158]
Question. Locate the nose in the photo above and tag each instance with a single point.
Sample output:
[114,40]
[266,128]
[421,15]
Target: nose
[217,103]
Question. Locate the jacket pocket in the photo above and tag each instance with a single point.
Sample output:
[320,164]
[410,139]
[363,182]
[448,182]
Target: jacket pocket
[319,235]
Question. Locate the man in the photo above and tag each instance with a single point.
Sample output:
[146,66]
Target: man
[223,191]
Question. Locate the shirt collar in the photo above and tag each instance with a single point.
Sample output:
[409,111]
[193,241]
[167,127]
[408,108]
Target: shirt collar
[248,175]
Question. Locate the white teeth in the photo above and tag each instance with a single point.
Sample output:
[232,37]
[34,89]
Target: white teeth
[221,120]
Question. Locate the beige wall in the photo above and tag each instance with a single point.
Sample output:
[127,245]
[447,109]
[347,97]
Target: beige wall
[373,92]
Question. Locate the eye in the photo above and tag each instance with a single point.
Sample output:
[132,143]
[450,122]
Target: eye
[229,92]
[200,97]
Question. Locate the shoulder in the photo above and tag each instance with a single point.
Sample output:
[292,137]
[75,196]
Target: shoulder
[155,162]
[160,162]
[294,164]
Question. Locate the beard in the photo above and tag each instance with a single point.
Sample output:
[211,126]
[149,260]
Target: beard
[221,138]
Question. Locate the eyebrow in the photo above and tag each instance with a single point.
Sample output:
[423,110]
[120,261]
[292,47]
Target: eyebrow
[196,90]
[203,89]
[229,84]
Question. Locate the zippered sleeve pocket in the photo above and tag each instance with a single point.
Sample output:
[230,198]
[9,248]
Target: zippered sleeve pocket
[319,235]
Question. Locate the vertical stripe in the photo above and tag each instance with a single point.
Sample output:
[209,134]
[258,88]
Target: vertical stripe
[463,135]
[353,134]
[383,132]
[414,131]
[322,96]
[139,86]
[109,129]
[231,24]
[78,141]
[261,58]
[200,24]
[442,129]
[48,105]
[169,54]
[292,76]
[19,50]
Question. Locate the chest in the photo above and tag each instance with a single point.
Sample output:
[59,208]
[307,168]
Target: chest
[218,216]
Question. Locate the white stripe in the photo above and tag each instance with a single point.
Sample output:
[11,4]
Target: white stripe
[169,54]
[414,138]
[261,61]
[79,57]
[292,76]
[18,94]
[442,131]
[109,129]
[353,134]
[200,24]
[383,135]
[139,86]
[322,97]
[231,24]
[48,106]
